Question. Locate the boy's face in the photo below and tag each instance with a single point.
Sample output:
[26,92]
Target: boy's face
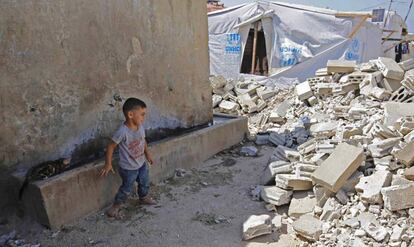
[137,116]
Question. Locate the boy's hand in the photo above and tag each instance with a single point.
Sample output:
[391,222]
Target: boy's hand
[106,169]
[150,160]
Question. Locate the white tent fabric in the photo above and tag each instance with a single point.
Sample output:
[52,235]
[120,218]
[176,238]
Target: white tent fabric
[299,39]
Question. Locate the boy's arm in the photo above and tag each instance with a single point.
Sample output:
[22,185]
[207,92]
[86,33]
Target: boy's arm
[148,156]
[108,161]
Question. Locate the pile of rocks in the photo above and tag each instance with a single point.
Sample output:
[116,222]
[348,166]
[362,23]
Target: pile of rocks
[250,98]
[342,162]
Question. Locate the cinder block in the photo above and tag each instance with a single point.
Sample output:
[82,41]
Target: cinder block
[406,155]
[407,64]
[293,182]
[390,84]
[390,68]
[408,82]
[394,110]
[398,197]
[341,66]
[339,166]
[304,91]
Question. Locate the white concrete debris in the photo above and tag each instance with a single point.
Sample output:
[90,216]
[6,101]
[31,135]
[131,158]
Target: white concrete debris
[370,187]
[308,227]
[256,225]
[390,69]
[341,164]
[276,196]
[341,66]
[304,91]
[343,147]
[301,204]
[398,197]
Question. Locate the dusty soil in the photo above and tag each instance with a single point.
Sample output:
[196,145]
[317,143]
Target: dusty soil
[205,207]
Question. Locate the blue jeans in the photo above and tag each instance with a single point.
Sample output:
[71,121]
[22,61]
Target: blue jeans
[141,176]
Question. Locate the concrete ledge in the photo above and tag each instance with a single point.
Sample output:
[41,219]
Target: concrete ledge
[75,194]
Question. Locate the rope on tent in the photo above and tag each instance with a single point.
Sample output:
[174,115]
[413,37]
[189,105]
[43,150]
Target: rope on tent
[409,9]
[388,12]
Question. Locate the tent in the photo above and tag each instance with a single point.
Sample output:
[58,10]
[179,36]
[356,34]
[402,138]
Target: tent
[298,39]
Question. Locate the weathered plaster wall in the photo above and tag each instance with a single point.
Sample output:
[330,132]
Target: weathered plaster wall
[65,64]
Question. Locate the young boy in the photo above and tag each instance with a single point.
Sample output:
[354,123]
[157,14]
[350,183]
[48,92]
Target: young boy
[133,151]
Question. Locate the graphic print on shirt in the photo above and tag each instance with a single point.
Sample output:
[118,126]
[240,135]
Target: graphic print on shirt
[136,148]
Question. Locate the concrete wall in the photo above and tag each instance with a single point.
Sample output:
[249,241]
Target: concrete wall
[67,65]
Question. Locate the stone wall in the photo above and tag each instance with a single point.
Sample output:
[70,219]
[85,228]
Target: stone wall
[66,66]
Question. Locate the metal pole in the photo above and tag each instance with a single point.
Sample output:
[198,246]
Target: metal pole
[256,26]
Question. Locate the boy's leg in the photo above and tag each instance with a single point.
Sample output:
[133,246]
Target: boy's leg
[143,184]
[128,177]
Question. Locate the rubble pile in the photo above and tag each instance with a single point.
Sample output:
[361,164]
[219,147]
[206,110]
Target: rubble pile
[344,150]
[250,98]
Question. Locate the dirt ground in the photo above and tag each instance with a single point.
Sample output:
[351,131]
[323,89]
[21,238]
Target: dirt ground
[205,207]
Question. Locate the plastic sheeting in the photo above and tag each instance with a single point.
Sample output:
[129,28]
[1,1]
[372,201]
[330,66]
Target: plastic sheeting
[299,39]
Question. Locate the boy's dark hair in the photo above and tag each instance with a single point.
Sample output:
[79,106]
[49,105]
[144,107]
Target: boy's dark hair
[132,103]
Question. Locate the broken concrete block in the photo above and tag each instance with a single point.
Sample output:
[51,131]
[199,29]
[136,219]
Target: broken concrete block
[341,66]
[304,91]
[406,155]
[325,88]
[275,118]
[382,148]
[293,182]
[409,173]
[371,186]
[276,167]
[312,101]
[340,165]
[216,100]
[276,196]
[375,231]
[401,94]
[390,68]
[280,153]
[283,108]
[397,233]
[228,106]
[324,129]
[390,84]
[301,204]
[218,82]
[408,82]
[321,195]
[342,197]
[393,111]
[308,227]
[407,64]
[330,210]
[322,72]
[277,222]
[256,225]
[398,197]
[265,94]
[372,227]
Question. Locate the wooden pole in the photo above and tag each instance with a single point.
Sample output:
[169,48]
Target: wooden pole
[256,26]
[358,26]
